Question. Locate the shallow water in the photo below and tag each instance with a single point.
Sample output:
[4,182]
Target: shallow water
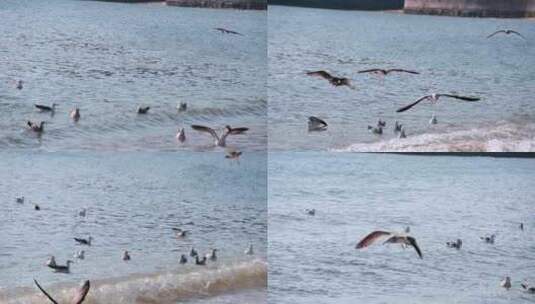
[452,55]
[313,259]
[133,200]
[109,58]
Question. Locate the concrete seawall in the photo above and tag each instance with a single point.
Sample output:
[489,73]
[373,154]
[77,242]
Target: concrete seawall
[236,4]
[344,4]
[472,8]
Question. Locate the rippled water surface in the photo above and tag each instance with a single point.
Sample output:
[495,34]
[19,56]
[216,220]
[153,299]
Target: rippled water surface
[133,200]
[109,58]
[312,259]
[452,55]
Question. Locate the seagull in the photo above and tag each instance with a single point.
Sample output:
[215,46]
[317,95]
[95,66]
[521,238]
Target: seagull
[335,81]
[126,256]
[78,298]
[182,107]
[193,252]
[219,141]
[392,238]
[527,288]
[51,262]
[181,135]
[80,255]
[182,233]
[200,262]
[37,128]
[75,114]
[375,130]
[84,241]
[521,224]
[63,268]
[316,124]
[506,283]
[381,123]
[20,200]
[236,131]
[183,259]
[433,98]
[397,127]
[433,120]
[457,244]
[383,72]
[19,84]
[36,207]
[311,212]
[143,110]
[506,32]
[402,133]
[44,108]
[233,154]
[488,239]
[82,212]
[407,229]
[212,255]
[225,31]
[249,250]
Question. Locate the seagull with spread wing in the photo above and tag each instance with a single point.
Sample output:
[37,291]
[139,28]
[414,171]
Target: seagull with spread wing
[384,72]
[506,32]
[392,238]
[433,98]
[335,81]
[225,31]
[316,124]
[220,141]
[78,298]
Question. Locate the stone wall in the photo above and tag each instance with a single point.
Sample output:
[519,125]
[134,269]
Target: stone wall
[472,8]
[236,4]
[344,4]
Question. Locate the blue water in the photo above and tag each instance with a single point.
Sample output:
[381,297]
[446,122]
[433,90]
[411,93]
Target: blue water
[109,58]
[452,55]
[312,259]
[132,200]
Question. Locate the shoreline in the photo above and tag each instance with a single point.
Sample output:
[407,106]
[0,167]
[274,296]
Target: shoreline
[221,4]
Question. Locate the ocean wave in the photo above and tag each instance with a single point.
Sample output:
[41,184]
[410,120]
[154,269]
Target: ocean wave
[167,287]
[501,137]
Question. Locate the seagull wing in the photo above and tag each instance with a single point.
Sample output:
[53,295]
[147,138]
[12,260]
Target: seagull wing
[460,97]
[405,108]
[236,131]
[495,33]
[321,74]
[413,243]
[517,33]
[402,71]
[314,119]
[206,130]
[81,293]
[43,107]
[371,71]
[371,238]
[43,291]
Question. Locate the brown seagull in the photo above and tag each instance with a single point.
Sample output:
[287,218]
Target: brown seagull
[392,238]
[335,81]
[434,98]
[386,72]
[78,298]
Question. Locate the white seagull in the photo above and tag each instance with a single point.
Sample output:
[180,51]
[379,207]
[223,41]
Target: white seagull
[181,135]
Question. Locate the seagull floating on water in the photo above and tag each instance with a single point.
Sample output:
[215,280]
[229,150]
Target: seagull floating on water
[63,268]
[19,84]
[527,288]
[44,108]
[82,241]
[75,114]
[383,72]
[82,212]
[233,154]
[249,250]
[126,256]
[181,135]
[506,283]
[402,133]
[143,110]
[488,239]
[20,200]
[521,224]
[397,127]
[457,244]
[506,32]
[183,259]
[381,123]
[182,107]
[392,238]
[51,262]
[375,130]
[37,128]
[212,256]
[433,120]
[200,262]
[80,255]
[78,298]
[316,124]
[311,212]
[335,81]
[219,141]
[433,98]
[36,207]
[193,252]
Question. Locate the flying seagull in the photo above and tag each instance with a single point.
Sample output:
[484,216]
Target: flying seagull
[220,141]
[386,72]
[225,31]
[392,238]
[506,32]
[45,108]
[84,241]
[316,124]
[433,98]
[335,81]
[78,298]
[143,110]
